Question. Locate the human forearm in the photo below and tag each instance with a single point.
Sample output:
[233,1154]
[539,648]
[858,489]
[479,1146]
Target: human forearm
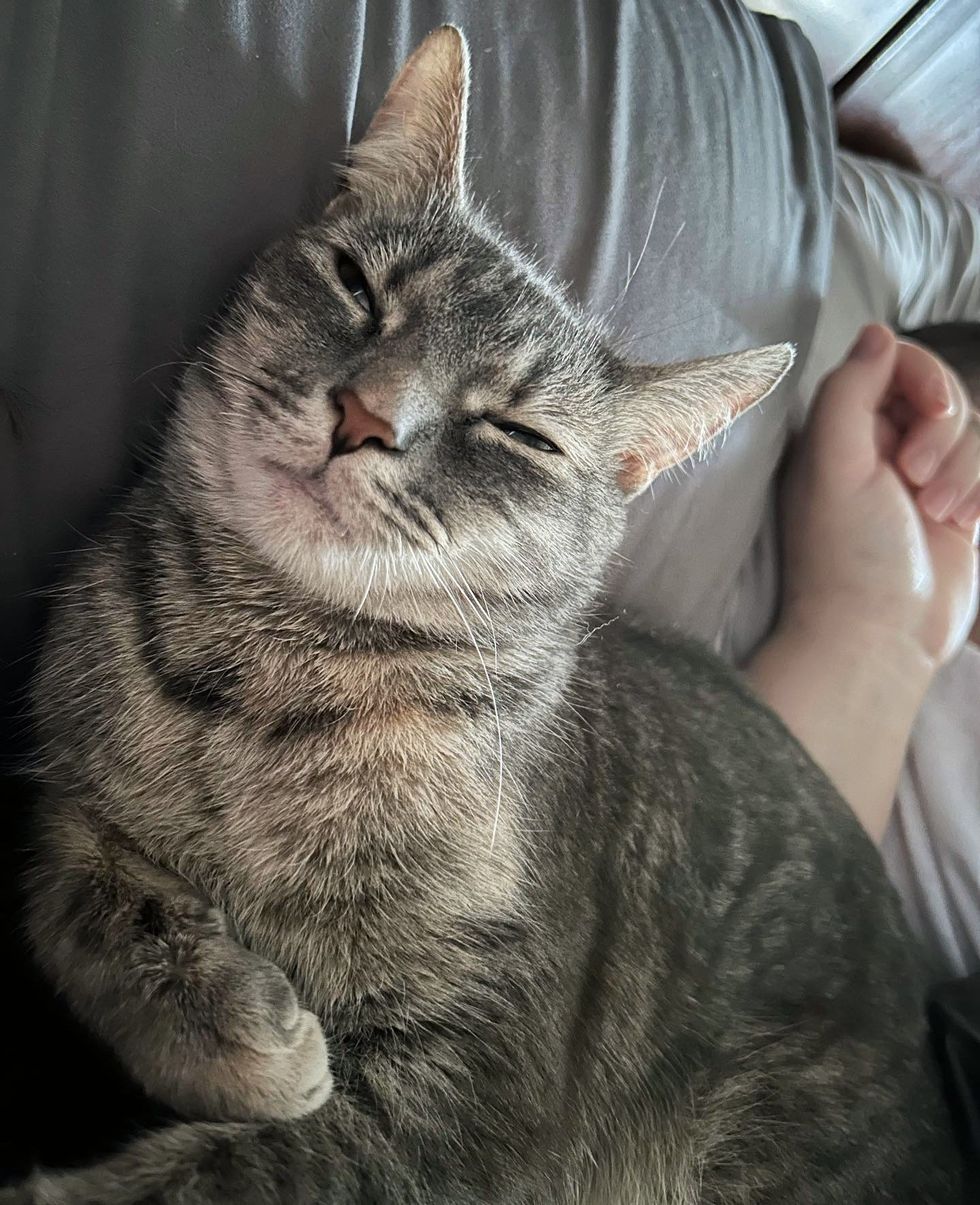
[879,569]
[850,694]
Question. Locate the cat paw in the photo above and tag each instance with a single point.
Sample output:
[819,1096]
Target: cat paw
[246,1050]
[275,1073]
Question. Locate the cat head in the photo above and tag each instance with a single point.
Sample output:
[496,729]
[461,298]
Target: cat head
[397,394]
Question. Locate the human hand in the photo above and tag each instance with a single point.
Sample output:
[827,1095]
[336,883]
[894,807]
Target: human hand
[882,500]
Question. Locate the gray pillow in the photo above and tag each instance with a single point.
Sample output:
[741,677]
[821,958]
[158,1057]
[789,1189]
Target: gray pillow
[148,150]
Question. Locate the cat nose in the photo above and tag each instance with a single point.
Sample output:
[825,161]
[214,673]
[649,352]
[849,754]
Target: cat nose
[360,426]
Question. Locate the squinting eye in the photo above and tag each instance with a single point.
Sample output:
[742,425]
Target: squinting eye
[352,278]
[524,435]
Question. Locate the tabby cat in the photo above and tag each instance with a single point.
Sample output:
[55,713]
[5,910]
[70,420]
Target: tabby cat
[367,848]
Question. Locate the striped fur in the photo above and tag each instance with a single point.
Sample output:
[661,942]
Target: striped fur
[360,851]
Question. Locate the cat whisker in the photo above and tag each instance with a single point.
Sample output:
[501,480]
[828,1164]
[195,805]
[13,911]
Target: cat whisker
[670,245]
[626,338]
[493,636]
[465,588]
[631,274]
[493,701]
[163,364]
[230,372]
[484,610]
[367,588]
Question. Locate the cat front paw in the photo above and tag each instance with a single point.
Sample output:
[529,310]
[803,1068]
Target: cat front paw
[231,1043]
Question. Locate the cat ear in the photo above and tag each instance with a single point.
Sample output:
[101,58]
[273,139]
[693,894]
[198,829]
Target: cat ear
[674,411]
[417,139]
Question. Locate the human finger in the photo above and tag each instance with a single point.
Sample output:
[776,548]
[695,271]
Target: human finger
[851,399]
[967,513]
[923,378]
[956,478]
[931,436]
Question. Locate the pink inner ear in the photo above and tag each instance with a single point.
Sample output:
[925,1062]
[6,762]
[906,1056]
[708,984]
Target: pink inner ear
[674,412]
[634,472]
[637,470]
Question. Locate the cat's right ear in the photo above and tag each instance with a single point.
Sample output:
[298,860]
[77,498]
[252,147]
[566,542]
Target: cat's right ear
[417,140]
[674,411]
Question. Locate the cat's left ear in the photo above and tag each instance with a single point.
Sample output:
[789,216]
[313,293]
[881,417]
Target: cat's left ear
[417,139]
[673,412]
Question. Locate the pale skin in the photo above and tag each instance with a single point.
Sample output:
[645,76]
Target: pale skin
[880,522]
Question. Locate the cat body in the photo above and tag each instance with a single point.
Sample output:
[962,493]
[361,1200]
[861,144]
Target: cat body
[368,851]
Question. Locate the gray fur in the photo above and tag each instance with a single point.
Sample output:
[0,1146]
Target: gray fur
[337,768]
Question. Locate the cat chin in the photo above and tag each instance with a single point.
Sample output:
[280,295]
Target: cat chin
[323,528]
[318,527]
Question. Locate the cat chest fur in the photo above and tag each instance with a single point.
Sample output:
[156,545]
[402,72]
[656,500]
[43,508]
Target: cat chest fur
[333,835]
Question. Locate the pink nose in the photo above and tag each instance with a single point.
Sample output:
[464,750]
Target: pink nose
[359,426]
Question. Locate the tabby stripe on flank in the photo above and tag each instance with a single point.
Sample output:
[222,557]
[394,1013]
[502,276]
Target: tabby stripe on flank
[301,725]
[202,688]
[190,549]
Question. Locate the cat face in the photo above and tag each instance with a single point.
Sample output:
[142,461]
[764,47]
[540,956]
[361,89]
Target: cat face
[397,391]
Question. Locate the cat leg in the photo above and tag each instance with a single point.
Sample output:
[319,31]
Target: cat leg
[203,1024]
[336,1157]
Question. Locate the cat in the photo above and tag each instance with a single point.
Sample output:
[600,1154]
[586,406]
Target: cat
[368,849]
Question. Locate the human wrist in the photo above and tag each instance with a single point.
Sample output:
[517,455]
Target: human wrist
[849,689]
[851,640]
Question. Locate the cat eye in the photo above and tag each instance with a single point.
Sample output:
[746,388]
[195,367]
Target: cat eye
[353,280]
[524,435]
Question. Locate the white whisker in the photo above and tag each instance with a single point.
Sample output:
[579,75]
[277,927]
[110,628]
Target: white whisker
[631,273]
[670,245]
[493,700]
[370,583]
[482,609]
